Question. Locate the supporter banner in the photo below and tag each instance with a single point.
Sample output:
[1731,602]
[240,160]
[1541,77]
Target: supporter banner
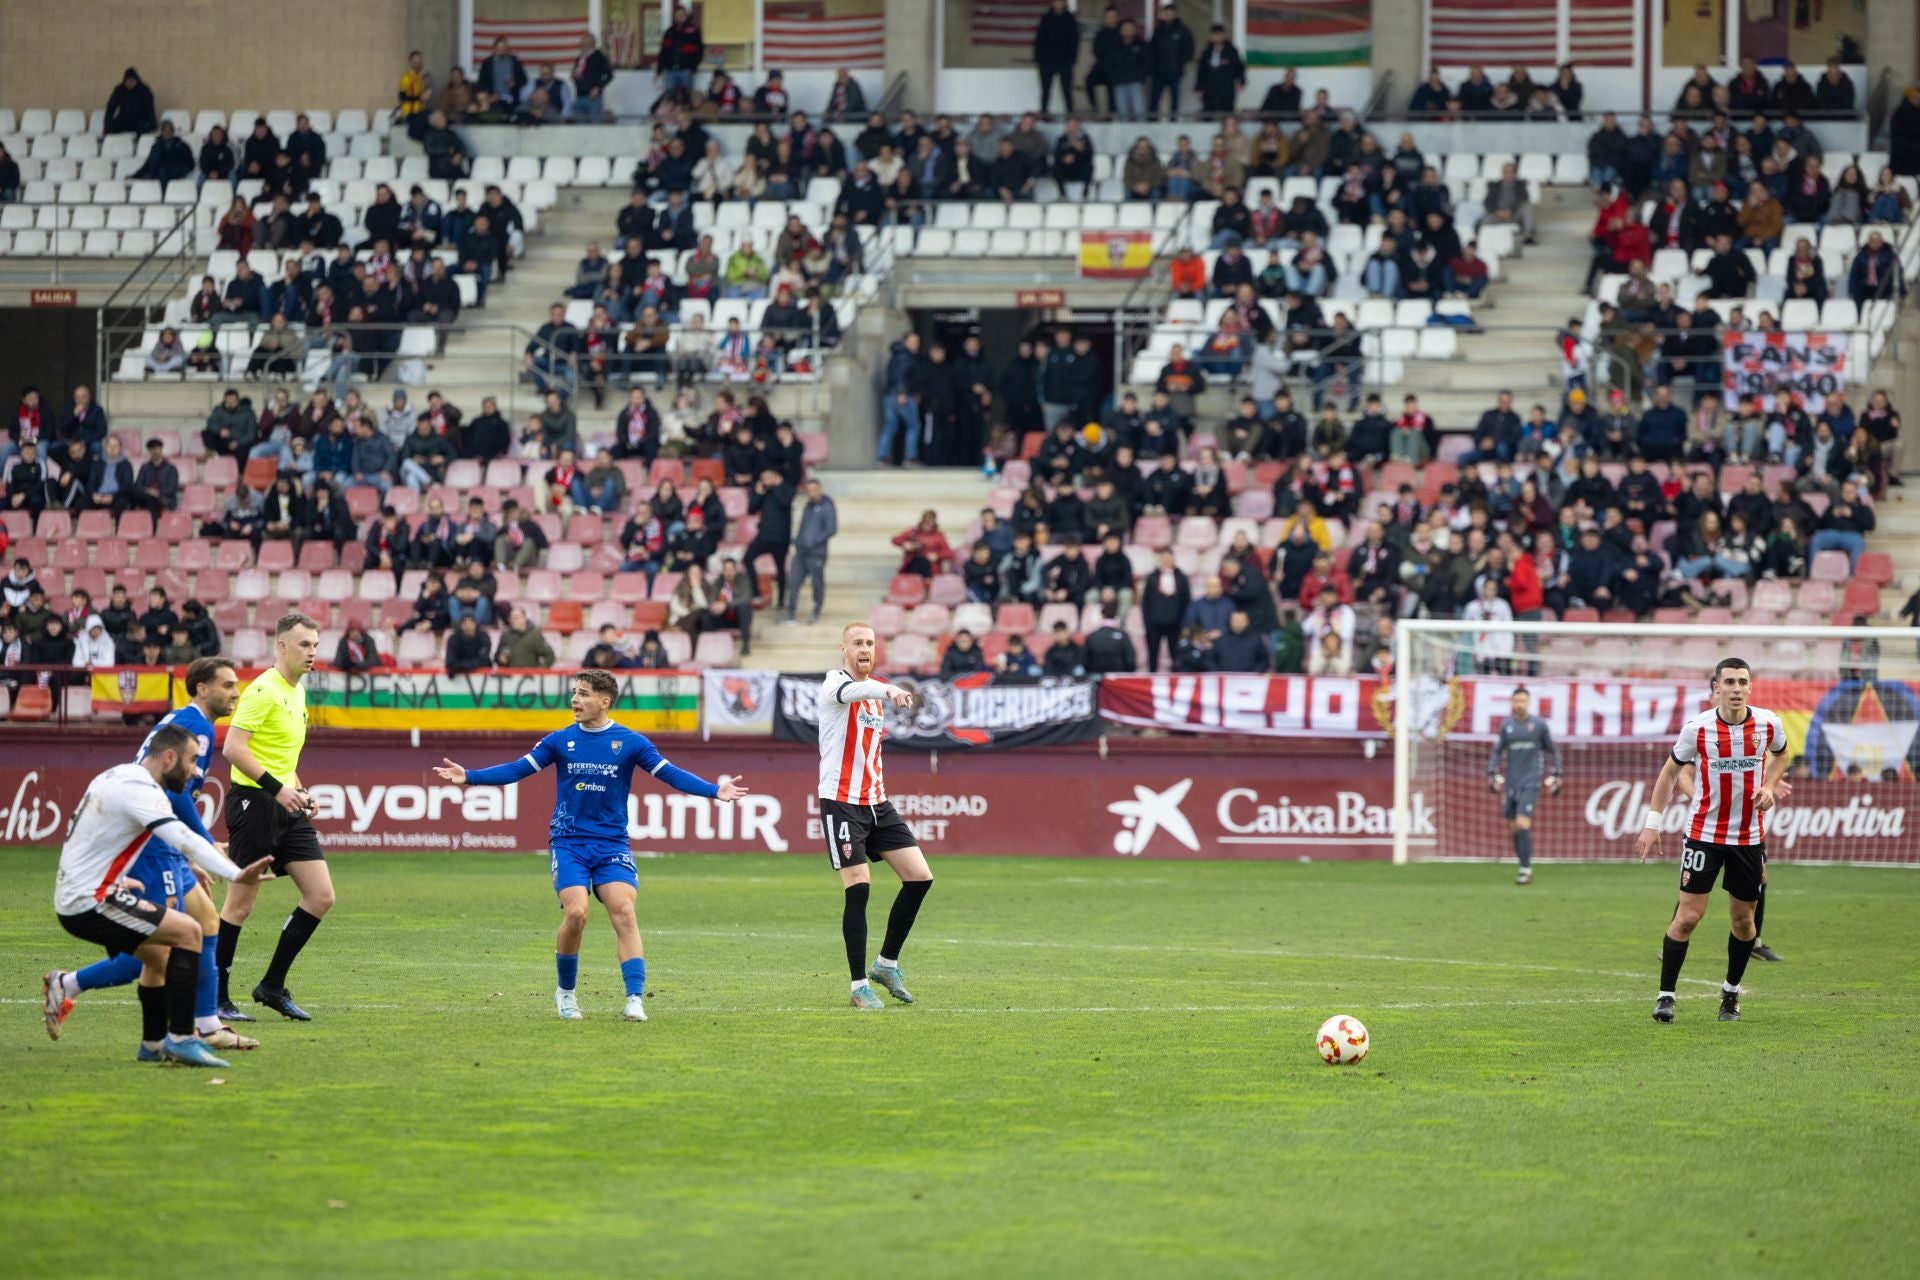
[1303,33]
[737,701]
[136,690]
[975,713]
[1071,802]
[1801,366]
[802,34]
[1115,255]
[1875,725]
[1272,706]
[535,701]
[1006,24]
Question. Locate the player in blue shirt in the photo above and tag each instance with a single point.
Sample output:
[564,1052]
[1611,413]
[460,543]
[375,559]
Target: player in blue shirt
[595,760]
[164,873]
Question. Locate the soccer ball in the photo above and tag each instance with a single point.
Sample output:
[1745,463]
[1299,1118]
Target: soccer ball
[1342,1040]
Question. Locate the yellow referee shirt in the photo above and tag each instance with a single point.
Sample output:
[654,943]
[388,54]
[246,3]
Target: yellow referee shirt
[275,713]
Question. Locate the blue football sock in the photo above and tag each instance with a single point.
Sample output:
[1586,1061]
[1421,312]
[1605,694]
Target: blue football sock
[569,968]
[206,992]
[115,971]
[634,973]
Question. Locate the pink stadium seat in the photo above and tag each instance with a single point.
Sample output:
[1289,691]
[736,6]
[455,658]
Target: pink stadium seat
[667,469]
[679,647]
[504,473]
[1830,566]
[1772,595]
[317,557]
[1153,531]
[92,581]
[1875,567]
[948,589]
[708,469]
[629,587]
[565,557]
[734,501]
[232,555]
[930,620]
[586,530]
[887,619]
[55,525]
[543,586]
[912,653]
[176,527]
[1862,598]
[68,553]
[275,556]
[250,648]
[1254,504]
[174,583]
[376,585]
[363,502]
[649,615]
[418,649]
[716,649]
[565,616]
[604,558]
[230,616]
[813,448]
[1802,618]
[549,522]
[221,472]
[664,585]
[586,586]
[395,613]
[609,613]
[112,553]
[404,501]
[93,526]
[907,589]
[335,584]
[974,617]
[463,473]
[19,524]
[353,556]
[251,584]
[1053,614]
[292,585]
[1015,618]
[321,611]
[1714,617]
[1818,595]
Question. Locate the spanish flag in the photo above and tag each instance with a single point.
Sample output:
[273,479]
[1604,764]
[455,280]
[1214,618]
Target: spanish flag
[135,690]
[1115,255]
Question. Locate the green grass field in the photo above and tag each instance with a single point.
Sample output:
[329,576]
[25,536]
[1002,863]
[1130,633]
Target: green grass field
[1110,1072]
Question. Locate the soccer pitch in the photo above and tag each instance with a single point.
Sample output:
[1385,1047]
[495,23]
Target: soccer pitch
[1109,1072]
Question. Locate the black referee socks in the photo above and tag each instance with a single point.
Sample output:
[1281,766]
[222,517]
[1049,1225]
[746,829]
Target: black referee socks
[906,905]
[853,924]
[224,946]
[293,936]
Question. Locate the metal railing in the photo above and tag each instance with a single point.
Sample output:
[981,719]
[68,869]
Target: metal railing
[507,361]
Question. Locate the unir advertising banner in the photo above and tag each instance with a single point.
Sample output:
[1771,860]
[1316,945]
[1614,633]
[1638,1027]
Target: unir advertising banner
[973,713]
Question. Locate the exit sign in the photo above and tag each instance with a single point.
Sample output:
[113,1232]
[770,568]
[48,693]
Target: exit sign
[55,297]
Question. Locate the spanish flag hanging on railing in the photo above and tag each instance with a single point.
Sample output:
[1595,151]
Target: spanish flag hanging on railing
[1115,255]
[135,690]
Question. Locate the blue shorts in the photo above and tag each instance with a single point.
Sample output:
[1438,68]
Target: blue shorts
[166,874]
[590,866]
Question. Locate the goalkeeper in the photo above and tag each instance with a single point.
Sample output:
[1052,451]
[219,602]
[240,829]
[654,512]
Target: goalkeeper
[1523,756]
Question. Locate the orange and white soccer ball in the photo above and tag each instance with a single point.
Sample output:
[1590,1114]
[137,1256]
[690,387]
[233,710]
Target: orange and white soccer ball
[1343,1040]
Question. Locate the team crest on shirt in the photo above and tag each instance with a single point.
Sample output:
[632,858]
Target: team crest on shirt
[615,744]
[569,744]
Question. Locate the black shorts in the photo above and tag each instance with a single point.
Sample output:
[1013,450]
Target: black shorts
[859,833]
[257,827]
[1700,863]
[120,922]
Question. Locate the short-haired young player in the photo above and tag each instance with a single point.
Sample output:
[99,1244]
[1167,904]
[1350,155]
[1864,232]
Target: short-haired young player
[212,688]
[861,824]
[1523,755]
[595,760]
[1683,789]
[268,814]
[1738,753]
[97,902]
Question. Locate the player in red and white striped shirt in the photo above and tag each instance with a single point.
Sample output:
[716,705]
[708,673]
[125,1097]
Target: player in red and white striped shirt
[861,824]
[1739,755]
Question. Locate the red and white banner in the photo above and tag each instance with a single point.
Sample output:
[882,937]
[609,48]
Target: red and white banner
[1537,33]
[532,40]
[1801,367]
[1267,706]
[790,37]
[1006,24]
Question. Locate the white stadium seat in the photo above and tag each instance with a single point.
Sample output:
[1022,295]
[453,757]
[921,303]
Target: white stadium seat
[69,122]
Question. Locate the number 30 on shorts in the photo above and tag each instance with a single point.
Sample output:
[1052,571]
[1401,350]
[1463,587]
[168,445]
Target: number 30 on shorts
[1692,859]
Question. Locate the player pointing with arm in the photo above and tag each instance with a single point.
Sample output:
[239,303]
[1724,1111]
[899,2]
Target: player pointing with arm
[1739,754]
[1526,747]
[595,761]
[96,901]
[860,823]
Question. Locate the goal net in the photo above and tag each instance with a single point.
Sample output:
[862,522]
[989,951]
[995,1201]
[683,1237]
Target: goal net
[1614,697]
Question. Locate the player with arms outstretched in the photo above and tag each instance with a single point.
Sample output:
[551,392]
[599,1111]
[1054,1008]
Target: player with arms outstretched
[1738,753]
[861,824]
[595,760]
[97,902]
[212,688]
[1522,760]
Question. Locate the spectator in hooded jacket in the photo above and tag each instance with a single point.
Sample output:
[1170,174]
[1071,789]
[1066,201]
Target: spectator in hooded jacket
[130,106]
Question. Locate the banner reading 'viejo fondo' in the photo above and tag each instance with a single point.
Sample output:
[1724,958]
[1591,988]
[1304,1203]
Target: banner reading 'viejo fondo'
[649,702]
[982,712]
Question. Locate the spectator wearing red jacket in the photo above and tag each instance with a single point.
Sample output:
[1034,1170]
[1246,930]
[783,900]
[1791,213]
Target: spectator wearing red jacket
[924,549]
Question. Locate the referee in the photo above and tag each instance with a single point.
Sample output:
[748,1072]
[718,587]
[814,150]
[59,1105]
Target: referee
[266,812]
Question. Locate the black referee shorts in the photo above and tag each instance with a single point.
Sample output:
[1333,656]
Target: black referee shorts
[258,827]
[119,922]
[1701,862]
[858,833]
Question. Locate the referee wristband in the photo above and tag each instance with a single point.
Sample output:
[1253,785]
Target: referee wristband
[1654,821]
[268,783]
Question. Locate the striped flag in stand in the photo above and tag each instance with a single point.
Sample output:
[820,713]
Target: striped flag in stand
[1115,255]
[1006,24]
[804,35]
[1494,32]
[1600,33]
[555,40]
[1301,33]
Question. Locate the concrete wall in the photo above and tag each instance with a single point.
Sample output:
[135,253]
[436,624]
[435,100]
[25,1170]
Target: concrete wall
[215,54]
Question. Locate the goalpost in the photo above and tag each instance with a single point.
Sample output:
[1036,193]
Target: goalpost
[1614,696]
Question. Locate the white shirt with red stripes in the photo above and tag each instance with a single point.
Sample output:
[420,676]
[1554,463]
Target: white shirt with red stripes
[121,810]
[1730,762]
[850,733]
